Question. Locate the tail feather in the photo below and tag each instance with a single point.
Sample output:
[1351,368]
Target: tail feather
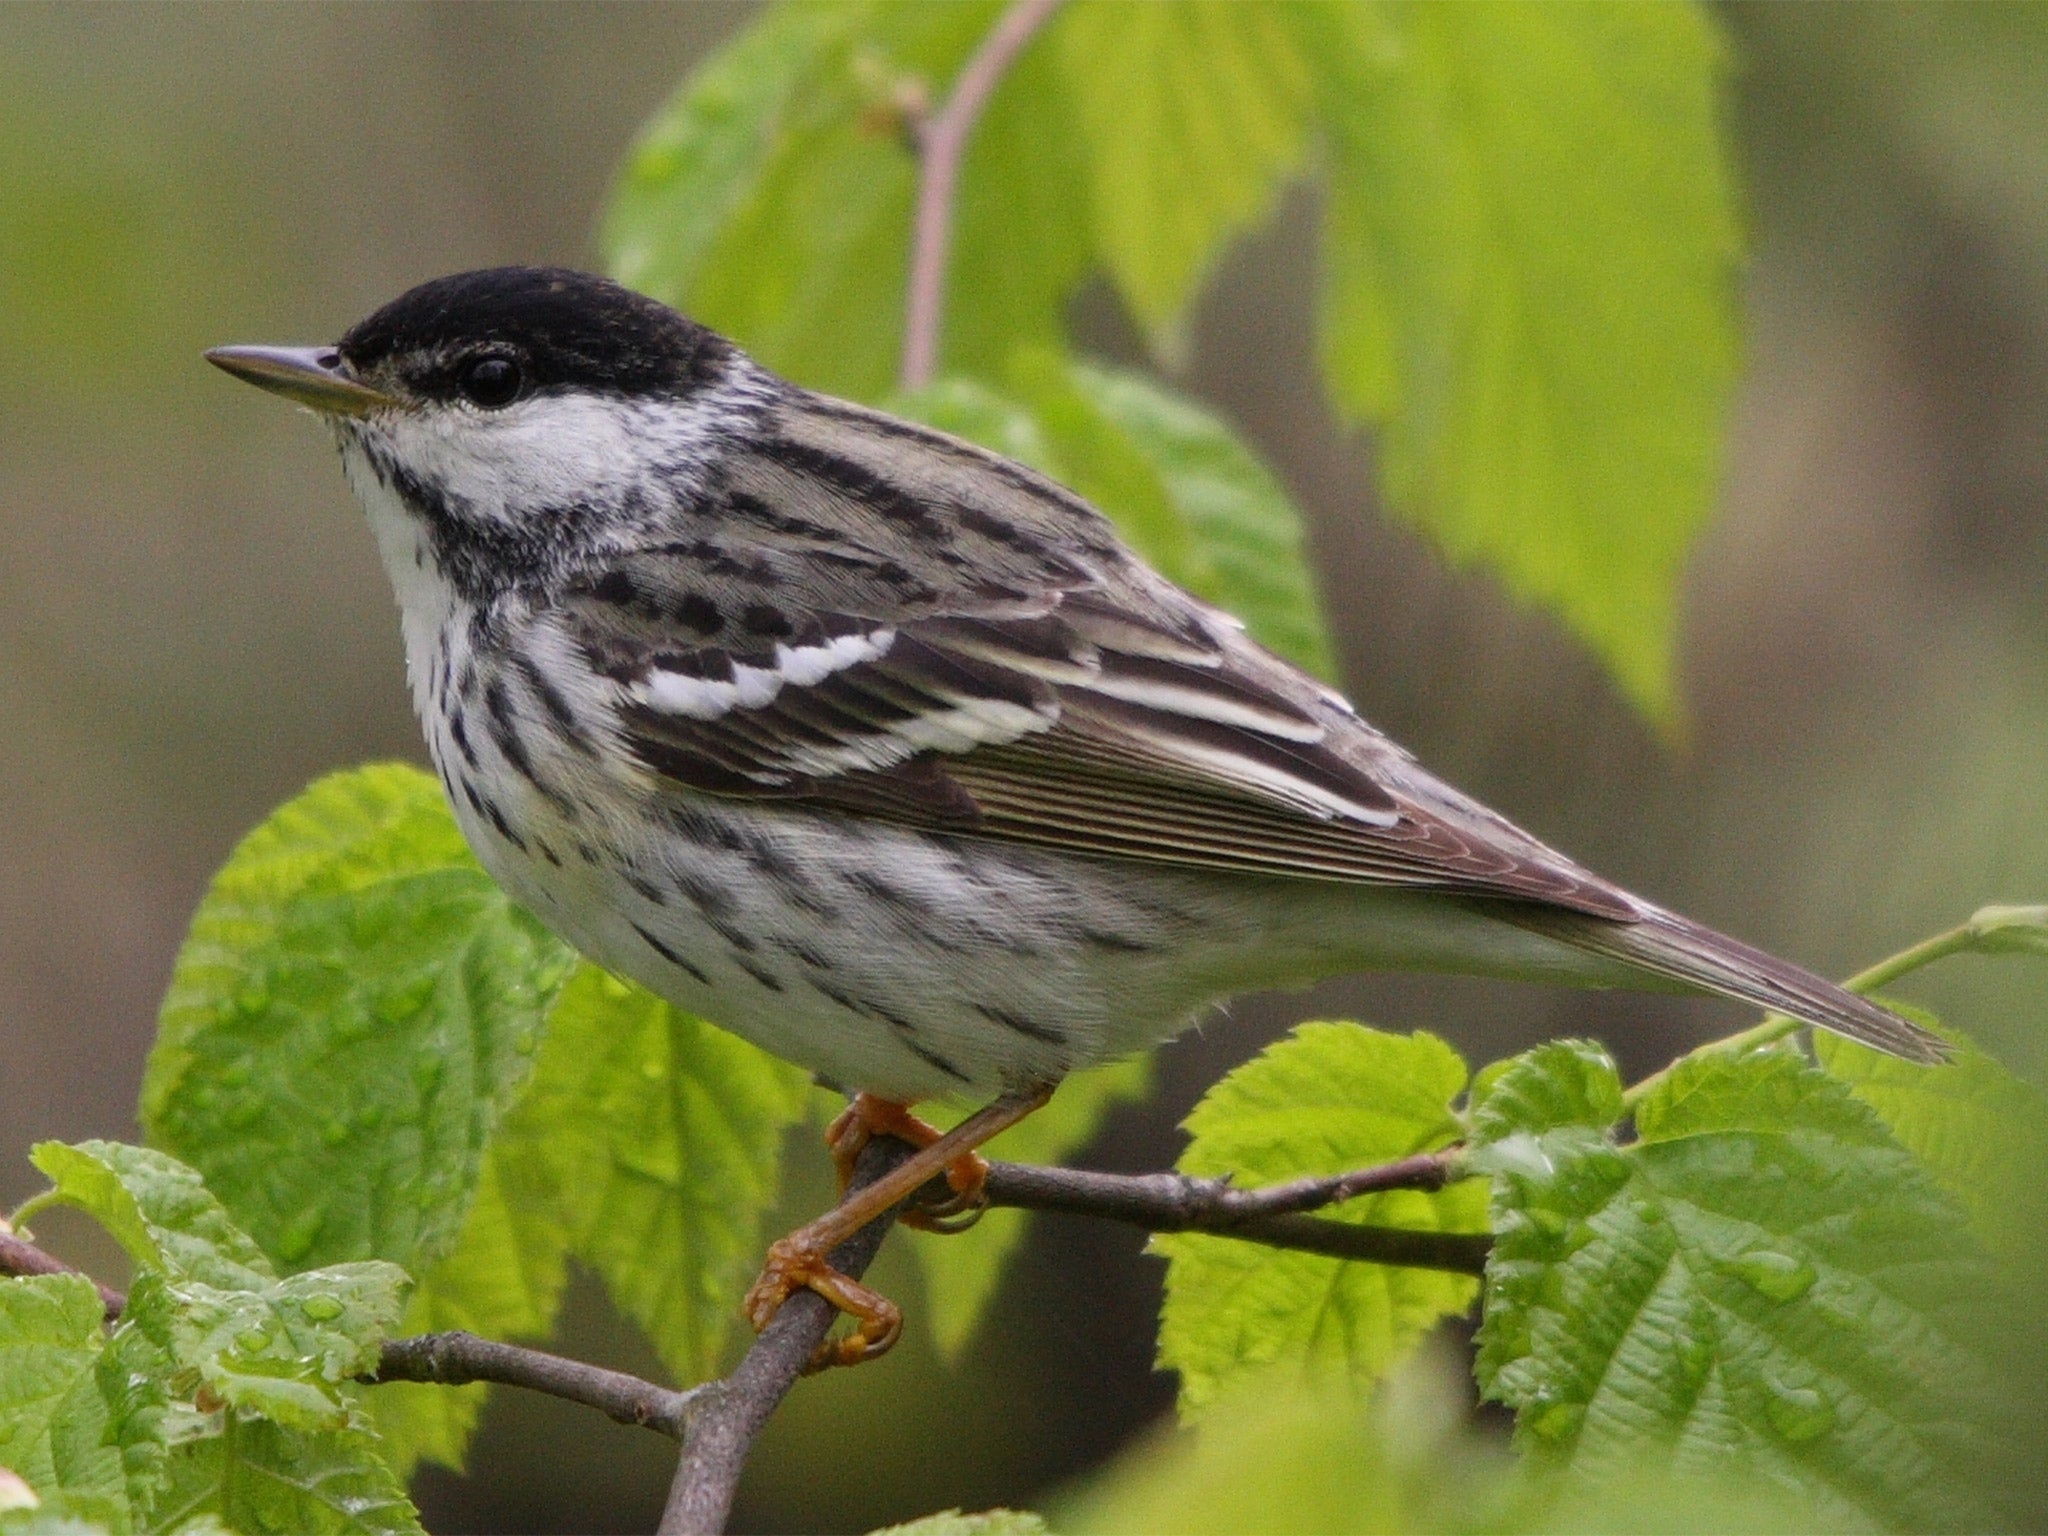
[1695,956]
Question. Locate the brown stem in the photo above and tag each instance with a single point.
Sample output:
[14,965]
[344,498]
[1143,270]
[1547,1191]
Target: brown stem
[723,1427]
[942,144]
[1275,1216]
[456,1358]
[18,1256]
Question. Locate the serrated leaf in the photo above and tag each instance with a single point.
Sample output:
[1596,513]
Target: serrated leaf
[157,1207]
[1764,1281]
[53,1421]
[1329,1098]
[1980,1130]
[505,1276]
[771,198]
[288,1351]
[1529,289]
[691,1121]
[988,1522]
[1193,114]
[1559,1083]
[354,1008]
[1280,1459]
[960,1272]
[256,1477]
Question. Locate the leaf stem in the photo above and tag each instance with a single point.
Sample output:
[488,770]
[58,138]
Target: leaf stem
[942,144]
[1775,1026]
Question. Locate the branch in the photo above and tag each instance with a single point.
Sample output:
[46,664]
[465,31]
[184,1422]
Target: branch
[723,1427]
[942,144]
[1275,1216]
[456,1359]
[18,1256]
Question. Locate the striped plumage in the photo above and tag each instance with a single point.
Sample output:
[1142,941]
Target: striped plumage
[883,750]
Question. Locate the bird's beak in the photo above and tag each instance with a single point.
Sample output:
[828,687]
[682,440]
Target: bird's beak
[310,375]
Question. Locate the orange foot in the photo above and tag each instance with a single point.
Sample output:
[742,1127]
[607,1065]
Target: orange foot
[801,1261]
[869,1115]
[793,1265]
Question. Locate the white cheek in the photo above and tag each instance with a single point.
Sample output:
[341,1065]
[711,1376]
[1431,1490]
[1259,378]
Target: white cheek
[557,450]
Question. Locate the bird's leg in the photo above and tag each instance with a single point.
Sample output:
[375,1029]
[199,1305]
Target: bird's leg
[801,1259]
[870,1115]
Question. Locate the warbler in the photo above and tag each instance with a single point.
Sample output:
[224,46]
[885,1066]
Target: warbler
[885,751]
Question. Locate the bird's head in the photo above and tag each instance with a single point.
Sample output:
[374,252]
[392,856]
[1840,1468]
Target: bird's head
[515,408]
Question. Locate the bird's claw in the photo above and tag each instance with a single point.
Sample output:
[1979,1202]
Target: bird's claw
[794,1265]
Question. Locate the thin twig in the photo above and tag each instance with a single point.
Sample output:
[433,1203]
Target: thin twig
[456,1358]
[723,1426]
[942,144]
[19,1256]
[1275,1216]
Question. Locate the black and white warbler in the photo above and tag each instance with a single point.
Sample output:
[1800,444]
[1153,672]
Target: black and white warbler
[882,750]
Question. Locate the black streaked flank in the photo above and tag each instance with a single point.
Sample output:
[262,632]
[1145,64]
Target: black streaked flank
[567,726]
[669,954]
[1020,1024]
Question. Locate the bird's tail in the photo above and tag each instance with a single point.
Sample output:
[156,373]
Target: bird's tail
[1697,957]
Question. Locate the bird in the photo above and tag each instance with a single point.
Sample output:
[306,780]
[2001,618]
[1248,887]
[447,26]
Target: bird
[886,752]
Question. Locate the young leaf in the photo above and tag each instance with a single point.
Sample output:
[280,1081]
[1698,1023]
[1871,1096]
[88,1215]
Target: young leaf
[505,1276]
[960,1276]
[771,198]
[288,1351]
[691,1121]
[53,1420]
[1529,289]
[1981,1131]
[706,151]
[1329,1098]
[258,1476]
[1765,1281]
[355,1006]
[158,1208]
[1192,115]
[988,1522]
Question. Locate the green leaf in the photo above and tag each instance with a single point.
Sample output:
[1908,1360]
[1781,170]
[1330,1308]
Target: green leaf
[1529,289]
[160,1210]
[960,1273]
[1765,1281]
[1192,115]
[206,1295]
[1190,497]
[691,1121]
[355,1006]
[772,196]
[1981,1131]
[707,149]
[253,1476]
[1329,1098]
[505,1276]
[989,1522]
[53,1420]
[288,1351]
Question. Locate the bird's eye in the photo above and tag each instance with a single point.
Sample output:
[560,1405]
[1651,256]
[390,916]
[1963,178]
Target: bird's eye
[491,382]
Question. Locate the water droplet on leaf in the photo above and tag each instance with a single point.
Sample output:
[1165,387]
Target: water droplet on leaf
[1798,1413]
[252,1341]
[1779,1276]
[321,1309]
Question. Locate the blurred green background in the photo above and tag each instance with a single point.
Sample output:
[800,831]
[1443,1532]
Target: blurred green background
[192,623]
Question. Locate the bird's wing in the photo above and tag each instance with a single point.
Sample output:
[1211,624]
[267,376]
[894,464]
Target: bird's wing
[1034,683]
